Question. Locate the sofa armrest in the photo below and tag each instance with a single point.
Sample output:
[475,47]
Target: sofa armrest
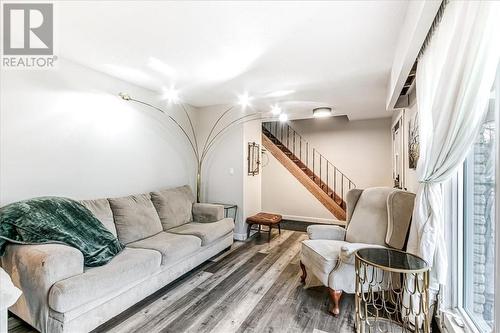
[347,251]
[331,232]
[34,269]
[204,212]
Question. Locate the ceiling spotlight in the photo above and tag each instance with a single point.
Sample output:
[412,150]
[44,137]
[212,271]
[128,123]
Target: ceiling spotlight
[322,112]
[244,100]
[275,110]
[283,117]
[171,95]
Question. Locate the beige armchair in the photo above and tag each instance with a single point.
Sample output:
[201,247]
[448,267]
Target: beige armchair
[376,217]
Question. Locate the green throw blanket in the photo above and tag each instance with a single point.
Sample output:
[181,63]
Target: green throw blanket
[58,220]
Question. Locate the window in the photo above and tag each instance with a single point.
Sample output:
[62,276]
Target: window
[479,226]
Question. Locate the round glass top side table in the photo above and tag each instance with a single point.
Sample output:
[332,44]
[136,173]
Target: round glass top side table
[392,291]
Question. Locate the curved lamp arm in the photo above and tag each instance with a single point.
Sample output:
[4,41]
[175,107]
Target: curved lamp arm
[127,97]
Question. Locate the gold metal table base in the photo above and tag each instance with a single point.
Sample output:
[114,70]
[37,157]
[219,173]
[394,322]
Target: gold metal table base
[391,300]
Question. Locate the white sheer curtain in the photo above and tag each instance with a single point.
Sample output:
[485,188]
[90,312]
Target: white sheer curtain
[454,78]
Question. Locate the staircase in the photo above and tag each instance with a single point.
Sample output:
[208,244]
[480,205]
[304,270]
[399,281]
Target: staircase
[320,177]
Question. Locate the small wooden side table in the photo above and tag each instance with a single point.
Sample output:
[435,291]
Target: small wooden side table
[266,219]
[392,291]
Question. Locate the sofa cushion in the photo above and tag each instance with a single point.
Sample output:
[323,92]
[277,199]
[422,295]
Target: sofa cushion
[207,232]
[171,246]
[135,217]
[174,206]
[121,273]
[102,211]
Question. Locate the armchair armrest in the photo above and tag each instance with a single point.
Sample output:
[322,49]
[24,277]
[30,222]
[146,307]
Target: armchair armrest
[347,251]
[34,269]
[204,212]
[332,232]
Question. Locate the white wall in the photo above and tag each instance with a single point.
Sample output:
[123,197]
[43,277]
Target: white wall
[65,132]
[361,149]
[283,194]
[224,176]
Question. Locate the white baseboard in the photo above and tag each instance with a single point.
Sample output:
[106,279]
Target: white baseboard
[312,219]
[242,237]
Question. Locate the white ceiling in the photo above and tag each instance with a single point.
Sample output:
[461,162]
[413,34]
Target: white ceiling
[312,53]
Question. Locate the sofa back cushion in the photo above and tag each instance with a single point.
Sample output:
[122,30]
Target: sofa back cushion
[135,217]
[102,211]
[174,206]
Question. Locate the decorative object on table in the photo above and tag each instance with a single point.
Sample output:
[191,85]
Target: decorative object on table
[253,159]
[8,296]
[266,219]
[328,254]
[392,291]
[215,132]
[58,220]
[413,142]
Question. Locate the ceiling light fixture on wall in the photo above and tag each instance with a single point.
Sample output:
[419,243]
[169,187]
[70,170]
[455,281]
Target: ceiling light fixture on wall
[322,112]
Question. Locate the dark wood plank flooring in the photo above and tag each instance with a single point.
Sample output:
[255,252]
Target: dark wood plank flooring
[254,287]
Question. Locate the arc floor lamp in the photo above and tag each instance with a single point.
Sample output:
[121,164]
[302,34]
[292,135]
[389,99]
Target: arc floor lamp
[216,131]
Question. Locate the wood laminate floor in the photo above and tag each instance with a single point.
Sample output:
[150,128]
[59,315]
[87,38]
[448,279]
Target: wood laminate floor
[254,287]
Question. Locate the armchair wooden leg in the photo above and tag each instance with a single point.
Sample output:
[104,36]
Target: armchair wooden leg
[335,297]
[304,273]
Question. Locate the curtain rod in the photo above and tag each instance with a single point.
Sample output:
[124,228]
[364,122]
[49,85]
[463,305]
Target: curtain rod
[433,28]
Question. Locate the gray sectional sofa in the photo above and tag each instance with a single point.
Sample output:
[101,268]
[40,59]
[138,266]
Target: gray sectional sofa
[166,235]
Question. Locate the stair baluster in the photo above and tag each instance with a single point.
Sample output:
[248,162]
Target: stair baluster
[279,134]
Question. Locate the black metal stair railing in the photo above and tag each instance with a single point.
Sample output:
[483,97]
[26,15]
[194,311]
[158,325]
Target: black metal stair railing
[326,175]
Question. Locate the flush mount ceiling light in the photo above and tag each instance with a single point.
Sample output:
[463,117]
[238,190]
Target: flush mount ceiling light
[322,112]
